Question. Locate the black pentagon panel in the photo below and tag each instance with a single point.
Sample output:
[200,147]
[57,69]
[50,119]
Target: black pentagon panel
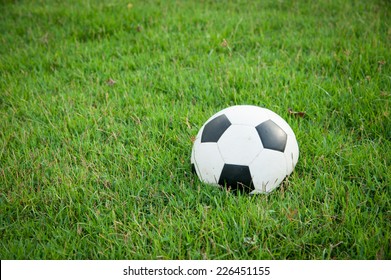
[272,136]
[236,178]
[215,128]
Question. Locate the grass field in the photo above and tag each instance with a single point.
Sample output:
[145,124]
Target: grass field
[100,101]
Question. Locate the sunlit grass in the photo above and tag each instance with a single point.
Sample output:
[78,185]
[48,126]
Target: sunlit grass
[100,101]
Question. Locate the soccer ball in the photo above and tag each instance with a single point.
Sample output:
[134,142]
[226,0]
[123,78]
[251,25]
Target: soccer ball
[245,148]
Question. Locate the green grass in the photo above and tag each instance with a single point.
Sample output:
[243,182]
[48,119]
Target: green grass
[100,100]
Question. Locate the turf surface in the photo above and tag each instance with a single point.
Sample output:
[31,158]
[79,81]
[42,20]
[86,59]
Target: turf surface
[100,101]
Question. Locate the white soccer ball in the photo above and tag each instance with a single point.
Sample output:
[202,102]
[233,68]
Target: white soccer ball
[245,148]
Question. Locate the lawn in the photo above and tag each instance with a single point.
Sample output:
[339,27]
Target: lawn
[100,102]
